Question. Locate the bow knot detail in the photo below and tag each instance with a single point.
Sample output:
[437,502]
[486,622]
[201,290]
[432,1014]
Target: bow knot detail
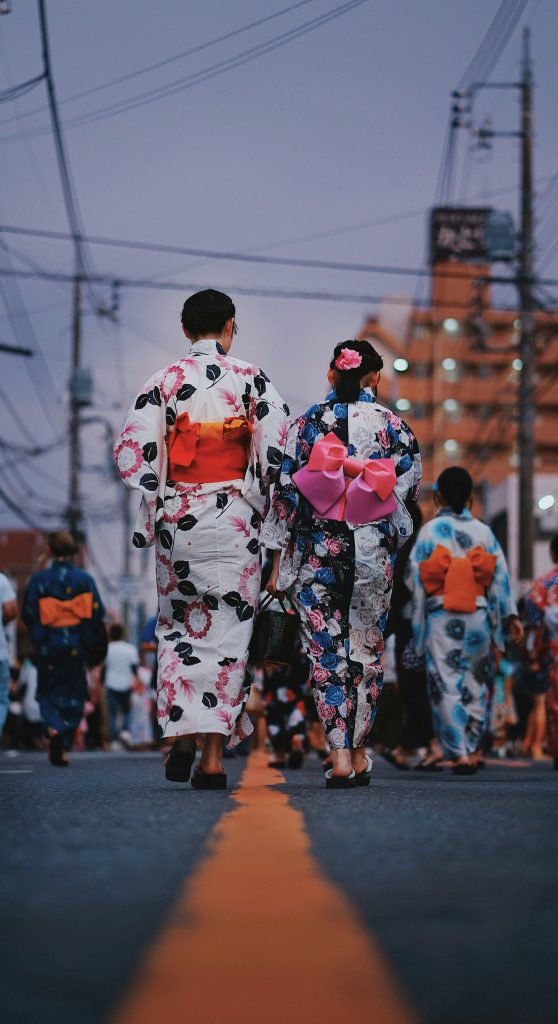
[54,612]
[210,451]
[343,488]
[459,580]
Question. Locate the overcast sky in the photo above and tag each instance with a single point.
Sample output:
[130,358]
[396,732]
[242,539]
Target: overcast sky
[341,126]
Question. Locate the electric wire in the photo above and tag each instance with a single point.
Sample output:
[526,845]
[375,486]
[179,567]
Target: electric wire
[167,60]
[196,78]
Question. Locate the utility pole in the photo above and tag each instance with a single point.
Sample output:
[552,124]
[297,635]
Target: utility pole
[526,396]
[74,513]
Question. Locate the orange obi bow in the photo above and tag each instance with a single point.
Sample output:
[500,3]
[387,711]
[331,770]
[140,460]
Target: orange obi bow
[206,453]
[460,580]
[54,612]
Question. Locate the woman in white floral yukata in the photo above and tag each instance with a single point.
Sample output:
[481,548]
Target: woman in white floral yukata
[337,519]
[202,444]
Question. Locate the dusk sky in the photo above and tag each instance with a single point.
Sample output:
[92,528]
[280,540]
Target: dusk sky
[294,153]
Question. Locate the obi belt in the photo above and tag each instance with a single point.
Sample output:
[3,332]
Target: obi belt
[458,580]
[57,613]
[343,488]
[207,453]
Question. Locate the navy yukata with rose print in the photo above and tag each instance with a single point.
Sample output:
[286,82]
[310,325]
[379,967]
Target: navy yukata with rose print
[342,574]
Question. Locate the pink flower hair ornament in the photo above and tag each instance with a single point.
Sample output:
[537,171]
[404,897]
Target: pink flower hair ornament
[348,359]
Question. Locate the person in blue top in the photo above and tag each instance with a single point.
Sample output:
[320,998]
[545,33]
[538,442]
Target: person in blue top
[64,615]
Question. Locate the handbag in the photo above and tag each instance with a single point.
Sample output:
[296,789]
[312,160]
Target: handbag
[275,633]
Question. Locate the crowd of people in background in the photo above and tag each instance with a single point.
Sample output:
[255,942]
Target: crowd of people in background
[520,719]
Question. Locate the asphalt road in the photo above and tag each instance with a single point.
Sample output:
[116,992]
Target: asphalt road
[455,878]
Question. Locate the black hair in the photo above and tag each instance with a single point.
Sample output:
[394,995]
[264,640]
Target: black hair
[554,547]
[116,631]
[455,486]
[347,383]
[206,313]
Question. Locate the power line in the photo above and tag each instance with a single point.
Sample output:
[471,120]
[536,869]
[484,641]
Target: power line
[168,60]
[16,91]
[238,257]
[264,292]
[154,95]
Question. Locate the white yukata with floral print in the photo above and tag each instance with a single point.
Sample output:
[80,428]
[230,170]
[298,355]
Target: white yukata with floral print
[206,535]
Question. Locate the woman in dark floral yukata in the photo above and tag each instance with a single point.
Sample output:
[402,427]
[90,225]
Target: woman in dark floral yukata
[338,516]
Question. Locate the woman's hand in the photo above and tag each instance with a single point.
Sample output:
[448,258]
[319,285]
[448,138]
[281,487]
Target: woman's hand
[515,627]
[271,585]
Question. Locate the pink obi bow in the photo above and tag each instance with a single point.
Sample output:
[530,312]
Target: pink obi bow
[342,488]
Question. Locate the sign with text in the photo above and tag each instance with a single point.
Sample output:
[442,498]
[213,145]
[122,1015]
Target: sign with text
[458,233]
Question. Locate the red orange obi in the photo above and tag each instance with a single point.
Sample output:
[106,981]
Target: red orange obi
[54,612]
[207,453]
[459,580]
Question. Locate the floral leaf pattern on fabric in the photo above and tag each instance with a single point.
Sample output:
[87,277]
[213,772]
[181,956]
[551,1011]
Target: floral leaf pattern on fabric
[192,524]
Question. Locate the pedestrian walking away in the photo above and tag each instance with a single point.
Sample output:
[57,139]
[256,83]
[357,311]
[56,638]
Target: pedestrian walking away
[120,672]
[203,444]
[541,613]
[8,606]
[337,519]
[64,615]
[462,606]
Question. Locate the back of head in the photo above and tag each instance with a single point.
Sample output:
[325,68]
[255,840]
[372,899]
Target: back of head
[62,544]
[116,631]
[455,487]
[352,360]
[205,313]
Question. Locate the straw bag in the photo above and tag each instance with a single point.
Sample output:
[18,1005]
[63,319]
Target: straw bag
[275,633]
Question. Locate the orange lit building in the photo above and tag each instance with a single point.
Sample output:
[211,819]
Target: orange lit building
[461,398]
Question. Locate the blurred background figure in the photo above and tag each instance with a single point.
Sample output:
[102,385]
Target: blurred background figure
[64,615]
[417,733]
[541,613]
[284,692]
[462,604]
[8,607]
[121,665]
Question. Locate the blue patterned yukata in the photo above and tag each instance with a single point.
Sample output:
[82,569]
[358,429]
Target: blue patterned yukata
[458,645]
[341,574]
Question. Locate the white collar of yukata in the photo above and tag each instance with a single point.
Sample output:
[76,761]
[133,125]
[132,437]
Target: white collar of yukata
[205,346]
[466,514]
[366,395]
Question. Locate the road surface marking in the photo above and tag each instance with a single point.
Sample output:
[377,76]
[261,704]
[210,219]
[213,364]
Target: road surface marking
[16,771]
[259,934]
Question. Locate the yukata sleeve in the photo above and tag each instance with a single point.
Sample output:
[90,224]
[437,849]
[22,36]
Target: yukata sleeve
[501,602]
[535,604]
[269,420]
[404,451]
[421,550]
[30,613]
[141,458]
[284,508]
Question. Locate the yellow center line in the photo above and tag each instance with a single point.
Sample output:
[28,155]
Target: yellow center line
[259,934]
